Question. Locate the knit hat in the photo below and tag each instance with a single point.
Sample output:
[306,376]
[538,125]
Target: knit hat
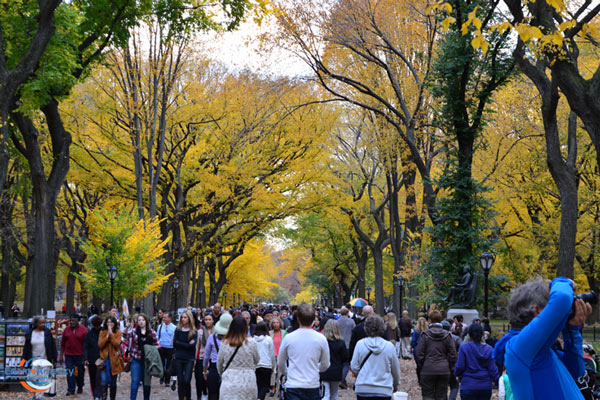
[222,327]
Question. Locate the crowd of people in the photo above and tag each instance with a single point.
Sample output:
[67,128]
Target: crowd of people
[299,352]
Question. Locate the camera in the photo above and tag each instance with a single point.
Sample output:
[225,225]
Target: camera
[590,297]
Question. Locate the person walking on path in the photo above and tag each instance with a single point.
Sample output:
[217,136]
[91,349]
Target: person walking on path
[204,331]
[436,355]
[338,356]
[109,343]
[211,356]
[405,325]
[91,353]
[39,344]
[476,367]
[71,351]
[346,324]
[267,363]
[375,363]
[358,332]
[137,337]
[392,331]
[237,362]
[184,343]
[165,333]
[414,342]
[307,354]
[452,382]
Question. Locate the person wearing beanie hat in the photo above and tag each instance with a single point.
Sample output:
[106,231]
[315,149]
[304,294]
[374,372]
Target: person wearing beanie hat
[211,355]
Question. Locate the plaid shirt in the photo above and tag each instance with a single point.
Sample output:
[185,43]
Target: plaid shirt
[131,338]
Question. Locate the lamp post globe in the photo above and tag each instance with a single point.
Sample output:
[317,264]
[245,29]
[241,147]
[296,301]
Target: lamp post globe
[369,294]
[175,286]
[112,275]
[486,260]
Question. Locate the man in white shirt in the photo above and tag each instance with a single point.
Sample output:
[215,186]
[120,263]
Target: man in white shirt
[307,354]
[165,333]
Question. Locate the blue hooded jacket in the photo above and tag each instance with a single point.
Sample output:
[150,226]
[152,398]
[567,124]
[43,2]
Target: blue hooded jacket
[536,370]
[476,367]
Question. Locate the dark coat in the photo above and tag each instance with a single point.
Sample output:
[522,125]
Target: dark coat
[405,325]
[436,353]
[91,352]
[338,355]
[357,333]
[50,344]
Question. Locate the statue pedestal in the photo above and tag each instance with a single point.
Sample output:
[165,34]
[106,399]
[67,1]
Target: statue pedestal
[468,314]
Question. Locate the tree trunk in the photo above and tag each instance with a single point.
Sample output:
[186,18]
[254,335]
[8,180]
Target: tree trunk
[70,291]
[41,273]
[378,272]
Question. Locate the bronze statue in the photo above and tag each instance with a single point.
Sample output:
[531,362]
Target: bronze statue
[462,295]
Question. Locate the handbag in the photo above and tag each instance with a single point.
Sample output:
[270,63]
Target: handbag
[125,355]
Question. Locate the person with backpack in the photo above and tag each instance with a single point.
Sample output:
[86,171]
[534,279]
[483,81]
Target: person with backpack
[237,362]
[405,325]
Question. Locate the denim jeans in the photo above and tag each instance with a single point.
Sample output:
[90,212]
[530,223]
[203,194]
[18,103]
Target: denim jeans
[106,377]
[137,376]
[184,370]
[302,394]
[75,372]
[345,368]
[476,394]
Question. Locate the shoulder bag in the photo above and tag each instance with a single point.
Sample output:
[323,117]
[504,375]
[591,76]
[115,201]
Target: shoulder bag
[230,360]
[361,366]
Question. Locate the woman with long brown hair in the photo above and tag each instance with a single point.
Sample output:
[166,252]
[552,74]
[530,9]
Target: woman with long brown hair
[109,343]
[137,337]
[237,362]
[184,343]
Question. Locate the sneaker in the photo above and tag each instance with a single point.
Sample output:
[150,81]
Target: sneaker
[162,380]
[343,385]
[174,385]
[80,390]
[70,394]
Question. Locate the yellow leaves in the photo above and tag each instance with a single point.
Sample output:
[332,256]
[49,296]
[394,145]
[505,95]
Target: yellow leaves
[440,5]
[559,5]
[567,25]
[479,42]
[503,27]
[447,21]
[527,32]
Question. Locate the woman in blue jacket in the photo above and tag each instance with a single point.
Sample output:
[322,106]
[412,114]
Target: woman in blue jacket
[538,314]
[475,367]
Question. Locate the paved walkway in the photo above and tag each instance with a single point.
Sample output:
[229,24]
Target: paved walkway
[409,385]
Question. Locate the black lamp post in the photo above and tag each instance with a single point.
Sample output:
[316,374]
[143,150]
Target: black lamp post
[202,299]
[240,299]
[486,260]
[369,294]
[234,299]
[225,299]
[176,286]
[112,274]
[400,283]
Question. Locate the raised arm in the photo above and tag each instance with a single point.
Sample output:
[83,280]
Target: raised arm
[543,330]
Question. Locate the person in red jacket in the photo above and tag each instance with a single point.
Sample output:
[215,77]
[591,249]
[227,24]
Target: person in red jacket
[71,352]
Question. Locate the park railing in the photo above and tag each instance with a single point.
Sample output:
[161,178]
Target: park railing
[591,333]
